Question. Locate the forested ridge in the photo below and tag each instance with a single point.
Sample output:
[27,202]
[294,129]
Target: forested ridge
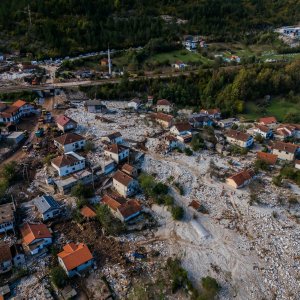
[61,27]
[229,89]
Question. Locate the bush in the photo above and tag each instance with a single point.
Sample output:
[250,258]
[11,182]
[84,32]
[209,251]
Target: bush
[177,212]
[210,286]
[58,276]
[197,142]
[81,191]
[188,151]
[89,146]
[261,165]
[112,225]
[160,189]
[277,180]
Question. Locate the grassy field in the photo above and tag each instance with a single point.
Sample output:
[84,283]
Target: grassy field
[278,108]
[183,55]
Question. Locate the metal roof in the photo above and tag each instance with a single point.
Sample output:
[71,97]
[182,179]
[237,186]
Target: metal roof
[45,203]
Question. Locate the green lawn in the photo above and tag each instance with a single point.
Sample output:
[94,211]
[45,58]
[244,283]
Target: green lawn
[183,55]
[278,108]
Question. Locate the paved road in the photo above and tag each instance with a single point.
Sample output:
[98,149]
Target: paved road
[21,88]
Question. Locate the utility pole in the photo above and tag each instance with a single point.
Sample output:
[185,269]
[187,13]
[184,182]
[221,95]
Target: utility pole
[109,61]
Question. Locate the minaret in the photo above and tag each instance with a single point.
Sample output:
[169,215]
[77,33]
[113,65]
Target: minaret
[109,61]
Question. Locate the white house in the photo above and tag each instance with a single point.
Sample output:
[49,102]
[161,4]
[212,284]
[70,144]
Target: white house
[75,258]
[70,142]
[124,184]
[226,123]
[35,237]
[68,163]
[181,128]
[297,164]
[25,109]
[135,103]
[47,207]
[164,106]
[113,138]
[117,152]
[65,123]
[239,138]
[7,217]
[179,65]
[213,113]
[241,179]
[264,131]
[285,151]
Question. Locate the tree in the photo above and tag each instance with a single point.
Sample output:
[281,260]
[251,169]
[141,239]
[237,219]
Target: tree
[210,286]
[58,276]
[89,146]
[177,212]
[111,224]
[81,191]
[10,171]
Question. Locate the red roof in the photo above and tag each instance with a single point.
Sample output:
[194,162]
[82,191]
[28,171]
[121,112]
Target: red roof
[238,135]
[241,177]
[19,103]
[130,208]
[163,117]
[75,255]
[262,128]
[69,138]
[63,120]
[269,158]
[112,201]
[163,102]
[87,212]
[122,177]
[5,253]
[64,160]
[288,147]
[31,232]
[267,120]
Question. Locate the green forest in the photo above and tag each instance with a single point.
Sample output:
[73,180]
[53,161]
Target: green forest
[230,89]
[63,27]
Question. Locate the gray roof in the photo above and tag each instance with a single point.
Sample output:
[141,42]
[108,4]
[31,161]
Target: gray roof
[94,102]
[45,203]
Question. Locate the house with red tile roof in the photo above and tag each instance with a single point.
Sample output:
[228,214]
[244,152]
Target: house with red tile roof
[164,105]
[75,258]
[241,179]
[129,170]
[68,163]
[213,113]
[121,208]
[239,138]
[124,184]
[264,131]
[65,123]
[113,138]
[35,237]
[285,151]
[25,109]
[285,131]
[117,152]
[164,120]
[268,158]
[69,142]
[268,121]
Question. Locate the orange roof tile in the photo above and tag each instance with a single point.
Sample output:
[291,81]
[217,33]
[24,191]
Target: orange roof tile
[267,120]
[19,103]
[122,177]
[267,157]
[113,202]
[31,232]
[87,212]
[242,176]
[75,255]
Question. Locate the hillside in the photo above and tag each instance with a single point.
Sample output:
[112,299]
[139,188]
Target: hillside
[62,27]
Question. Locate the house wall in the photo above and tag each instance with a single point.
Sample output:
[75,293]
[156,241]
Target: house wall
[66,170]
[6,226]
[284,155]
[51,214]
[164,108]
[133,105]
[163,123]
[232,183]
[46,242]
[120,188]
[5,266]
[26,110]
[240,143]
[19,260]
